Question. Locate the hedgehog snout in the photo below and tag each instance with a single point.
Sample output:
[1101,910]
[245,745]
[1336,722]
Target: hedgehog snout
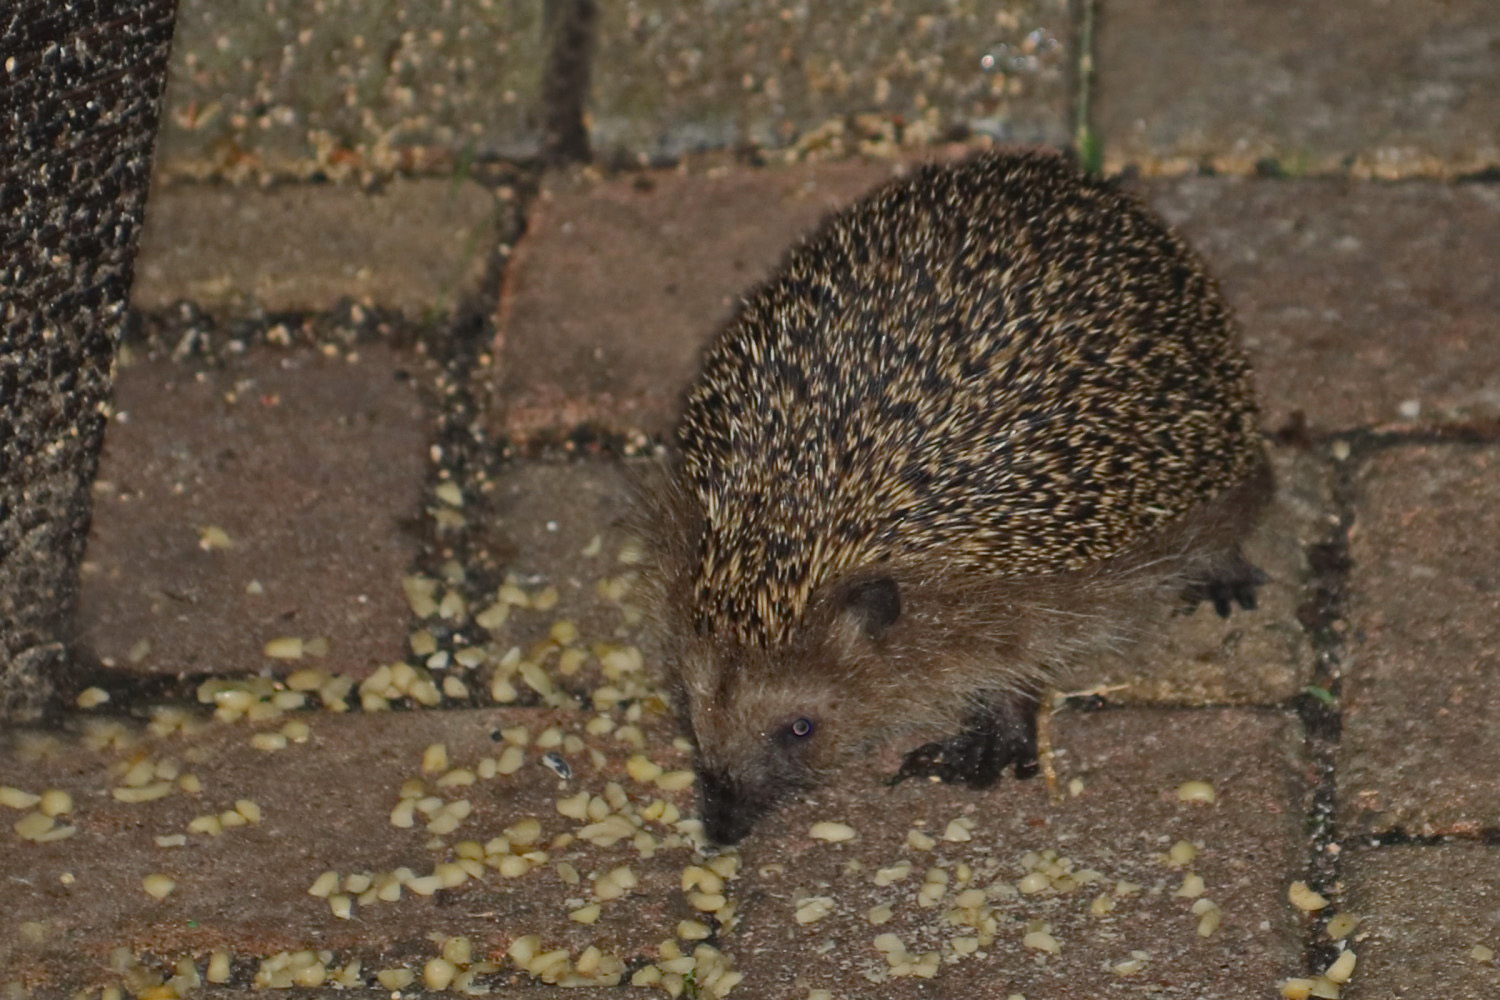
[730,807]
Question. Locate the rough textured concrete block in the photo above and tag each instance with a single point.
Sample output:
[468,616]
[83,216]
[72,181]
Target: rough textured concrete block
[341,87]
[671,79]
[80,89]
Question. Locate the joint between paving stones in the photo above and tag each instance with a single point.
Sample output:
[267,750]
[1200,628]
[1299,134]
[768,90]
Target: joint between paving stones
[571,33]
[1323,616]
[1398,837]
[1087,142]
[1478,432]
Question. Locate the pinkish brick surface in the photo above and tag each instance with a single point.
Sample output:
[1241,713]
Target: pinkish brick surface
[558,524]
[555,526]
[310,464]
[619,284]
[325,805]
[1121,823]
[1424,910]
[1420,751]
[1361,303]
[1388,89]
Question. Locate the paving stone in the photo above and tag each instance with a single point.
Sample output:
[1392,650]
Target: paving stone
[337,87]
[1384,89]
[1420,752]
[324,805]
[558,524]
[313,467]
[415,245]
[617,286]
[668,80]
[1424,910]
[1361,303]
[1255,657]
[567,600]
[1123,820]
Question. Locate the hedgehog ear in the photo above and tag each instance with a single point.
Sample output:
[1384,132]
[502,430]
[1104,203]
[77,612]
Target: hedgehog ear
[873,605]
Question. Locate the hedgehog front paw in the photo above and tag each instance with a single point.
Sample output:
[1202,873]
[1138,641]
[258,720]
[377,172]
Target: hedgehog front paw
[1000,737]
[1233,583]
[933,761]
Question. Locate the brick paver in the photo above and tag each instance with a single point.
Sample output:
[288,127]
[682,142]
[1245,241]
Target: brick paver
[669,81]
[1424,910]
[1383,89]
[1362,304]
[413,245]
[1120,826]
[325,804]
[282,452]
[1419,751]
[338,88]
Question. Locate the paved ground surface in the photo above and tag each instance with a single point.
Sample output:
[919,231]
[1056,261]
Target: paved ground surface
[380,713]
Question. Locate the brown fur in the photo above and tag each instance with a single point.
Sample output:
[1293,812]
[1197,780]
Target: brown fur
[1053,453]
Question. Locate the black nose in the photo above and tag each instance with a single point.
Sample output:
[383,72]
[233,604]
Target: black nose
[728,813]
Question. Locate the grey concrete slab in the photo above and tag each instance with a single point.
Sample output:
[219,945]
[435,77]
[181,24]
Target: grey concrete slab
[669,80]
[1121,825]
[1420,750]
[1424,911]
[413,245]
[1382,90]
[80,98]
[341,88]
[618,285]
[1362,304]
[309,465]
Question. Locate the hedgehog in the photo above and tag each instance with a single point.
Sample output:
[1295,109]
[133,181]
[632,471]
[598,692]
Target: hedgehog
[977,430]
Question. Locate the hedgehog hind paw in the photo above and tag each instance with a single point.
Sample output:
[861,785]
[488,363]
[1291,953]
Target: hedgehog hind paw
[1233,583]
[1001,736]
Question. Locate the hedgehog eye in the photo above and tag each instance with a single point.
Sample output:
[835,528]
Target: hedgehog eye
[802,728]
